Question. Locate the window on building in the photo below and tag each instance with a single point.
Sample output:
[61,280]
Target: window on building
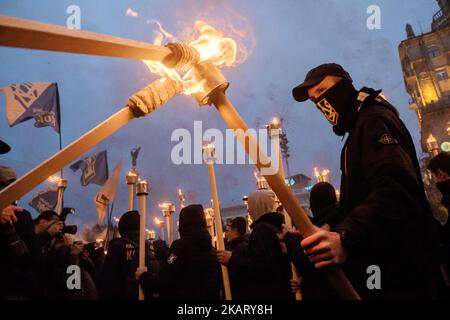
[442,75]
[434,52]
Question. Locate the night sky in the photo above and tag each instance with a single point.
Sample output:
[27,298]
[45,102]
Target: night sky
[284,38]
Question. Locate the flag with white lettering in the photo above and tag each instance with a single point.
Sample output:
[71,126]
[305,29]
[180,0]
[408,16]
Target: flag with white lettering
[94,168]
[38,101]
[45,199]
[107,193]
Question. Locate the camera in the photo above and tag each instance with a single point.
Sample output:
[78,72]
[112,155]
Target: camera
[72,229]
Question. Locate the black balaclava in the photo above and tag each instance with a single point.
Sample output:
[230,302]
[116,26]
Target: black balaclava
[339,105]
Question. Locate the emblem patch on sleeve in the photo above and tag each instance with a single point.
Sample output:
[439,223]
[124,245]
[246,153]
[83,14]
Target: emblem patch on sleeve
[387,139]
[172,258]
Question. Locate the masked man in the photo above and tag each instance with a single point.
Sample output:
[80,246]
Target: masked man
[385,240]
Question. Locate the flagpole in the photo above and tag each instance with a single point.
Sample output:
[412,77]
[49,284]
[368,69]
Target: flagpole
[105,243]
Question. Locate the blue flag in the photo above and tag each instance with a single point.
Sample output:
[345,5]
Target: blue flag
[45,199]
[39,100]
[95,169]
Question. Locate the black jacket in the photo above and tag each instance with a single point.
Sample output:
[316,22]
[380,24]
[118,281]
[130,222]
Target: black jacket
[117,280]
[191,271]
[238,247]
[265,270]
[387,218]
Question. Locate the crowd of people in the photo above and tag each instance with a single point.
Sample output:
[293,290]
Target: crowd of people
[381,223]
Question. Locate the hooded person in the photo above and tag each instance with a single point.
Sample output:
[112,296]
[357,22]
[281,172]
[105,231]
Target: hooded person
[122,259]
[191,271]
[314,284]
[265,267]
[324,205]
[383,203]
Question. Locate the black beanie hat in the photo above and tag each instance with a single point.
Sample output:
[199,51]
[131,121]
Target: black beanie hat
[129,223]
[191,218]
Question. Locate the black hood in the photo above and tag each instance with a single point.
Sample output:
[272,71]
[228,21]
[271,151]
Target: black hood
[192,226]
[274,218]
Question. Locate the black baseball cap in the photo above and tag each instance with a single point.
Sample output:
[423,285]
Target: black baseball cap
[315,76]
[4,147]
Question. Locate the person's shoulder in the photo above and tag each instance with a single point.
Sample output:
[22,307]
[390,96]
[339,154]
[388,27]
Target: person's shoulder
[178,245]
[122,243]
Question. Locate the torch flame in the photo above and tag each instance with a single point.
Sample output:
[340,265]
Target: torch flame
[54,179]
[211,45]
[431,139]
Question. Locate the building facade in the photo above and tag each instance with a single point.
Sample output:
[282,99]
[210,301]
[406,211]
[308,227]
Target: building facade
[425,64]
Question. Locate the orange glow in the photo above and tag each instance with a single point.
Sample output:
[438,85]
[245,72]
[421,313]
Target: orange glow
[210,44]
[431,139]
[54,179]
[321,176]
[158,222]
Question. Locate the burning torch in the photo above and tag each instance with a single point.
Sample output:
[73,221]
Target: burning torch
[168,210]
[322,176]
[181,198]
[209,154]
[209,217]
[131,179]
[274,130]
[432,145]
[160,224]
[62,186]
[142,189]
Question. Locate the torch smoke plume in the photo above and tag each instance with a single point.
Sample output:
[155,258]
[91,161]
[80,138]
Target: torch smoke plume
[131,13]
[91,234]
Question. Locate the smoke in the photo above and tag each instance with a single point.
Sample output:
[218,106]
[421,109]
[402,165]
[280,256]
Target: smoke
[90,234]
[131,13]
[223,17]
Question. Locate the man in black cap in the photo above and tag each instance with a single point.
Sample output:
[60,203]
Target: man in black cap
[386,221]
